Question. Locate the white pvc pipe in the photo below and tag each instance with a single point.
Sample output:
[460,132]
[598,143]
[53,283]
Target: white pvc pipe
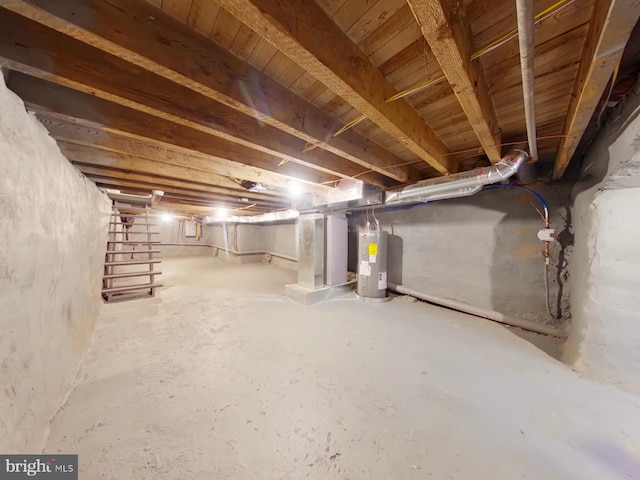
[253,252]
[481,312]
[526,27]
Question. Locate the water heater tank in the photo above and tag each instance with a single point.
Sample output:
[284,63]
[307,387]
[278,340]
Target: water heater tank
[372,265]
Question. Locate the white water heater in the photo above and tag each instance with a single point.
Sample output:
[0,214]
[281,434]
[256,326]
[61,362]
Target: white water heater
[372,265]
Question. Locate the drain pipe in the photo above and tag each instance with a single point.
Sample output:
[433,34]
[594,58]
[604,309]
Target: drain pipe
[482,312]
[526,27]
[460,184]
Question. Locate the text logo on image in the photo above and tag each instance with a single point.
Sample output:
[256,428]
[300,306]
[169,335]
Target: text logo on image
[45,467]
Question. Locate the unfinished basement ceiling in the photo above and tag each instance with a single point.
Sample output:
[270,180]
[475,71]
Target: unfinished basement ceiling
[195,97]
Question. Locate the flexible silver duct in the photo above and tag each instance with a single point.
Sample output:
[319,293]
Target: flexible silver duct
[460,184]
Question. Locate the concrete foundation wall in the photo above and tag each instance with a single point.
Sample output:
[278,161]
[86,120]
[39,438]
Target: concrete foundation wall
[174,243]
[282,239]
[605,265]
[246,243]
[53,234]
[481,251]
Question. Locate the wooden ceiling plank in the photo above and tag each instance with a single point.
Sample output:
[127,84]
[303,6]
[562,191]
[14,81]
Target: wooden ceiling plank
[413,54]
[142,165]
[376,15]
[399,21]
[175,187]
[552,55]
[446,28]
[245,42]
[151,182]
[303,31]
[405,36]
[262,54]
[48,97]
[150,39]
[225,29]
[112,142]
[79,66]
[331,6]
[174,207]
[350,12]
[203,16]
[609,31]
[147,184]
[178,9]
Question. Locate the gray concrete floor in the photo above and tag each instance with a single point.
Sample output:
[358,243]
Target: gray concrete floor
[221,377]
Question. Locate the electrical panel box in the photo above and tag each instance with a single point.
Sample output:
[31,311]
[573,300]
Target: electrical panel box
[190,229]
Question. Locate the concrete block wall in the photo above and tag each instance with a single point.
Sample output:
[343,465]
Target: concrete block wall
[53,234]
[605,265]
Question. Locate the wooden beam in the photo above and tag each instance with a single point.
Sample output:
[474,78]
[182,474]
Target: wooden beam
[182,177]
[72,133]
[48,97]
[304,32]
[130,163]
[36,50]
[149,183]
[446,27]
[152,40]
[180,202]
[609,30]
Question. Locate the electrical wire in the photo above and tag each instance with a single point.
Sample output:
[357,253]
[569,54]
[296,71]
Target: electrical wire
[530,192]
[543,15]
[545,218]
[415,89]
[537,210]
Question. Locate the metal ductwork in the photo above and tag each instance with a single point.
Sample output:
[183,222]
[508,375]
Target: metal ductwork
[460,184]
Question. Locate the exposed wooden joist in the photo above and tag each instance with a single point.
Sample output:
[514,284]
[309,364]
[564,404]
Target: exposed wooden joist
[48,97]
[609,30]
[149,38]
[175,204]
[146,184]
[175,187]
[36,50]
[96,138]
[304,32]
[141,165]
[183,177]
[446,27]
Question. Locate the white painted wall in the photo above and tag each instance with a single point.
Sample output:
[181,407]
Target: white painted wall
[605,265]
[53,233]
